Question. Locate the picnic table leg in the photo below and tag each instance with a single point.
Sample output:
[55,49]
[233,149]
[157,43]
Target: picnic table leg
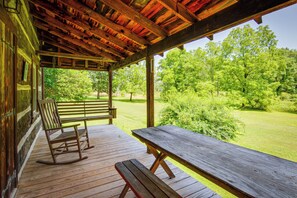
[160,160]
[124,191]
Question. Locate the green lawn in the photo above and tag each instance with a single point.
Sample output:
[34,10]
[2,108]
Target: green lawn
[274,133]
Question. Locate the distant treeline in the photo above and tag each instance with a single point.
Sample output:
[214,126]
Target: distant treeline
[247,68]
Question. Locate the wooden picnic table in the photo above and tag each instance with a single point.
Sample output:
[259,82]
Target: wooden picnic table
[241,171]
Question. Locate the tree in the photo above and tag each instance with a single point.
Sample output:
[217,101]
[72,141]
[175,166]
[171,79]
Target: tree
[288,74]
[50,82]
[181,71]
[251,66]
[64,84]
[99,81]
[131,80]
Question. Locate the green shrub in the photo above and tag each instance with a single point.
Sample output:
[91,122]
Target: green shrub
[285,103]
[209,117]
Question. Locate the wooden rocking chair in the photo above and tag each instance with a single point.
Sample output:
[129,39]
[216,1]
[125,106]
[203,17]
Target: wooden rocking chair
[60,141]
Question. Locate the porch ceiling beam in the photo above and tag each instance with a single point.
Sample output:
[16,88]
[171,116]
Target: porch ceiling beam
[95,31]
[69,48]
[47,65]
[135,16]
[60,46]
[178,9]
[105,21]
[215,8]
[83,36]
[238,13]
[71,56]
[60,42]
[66,37]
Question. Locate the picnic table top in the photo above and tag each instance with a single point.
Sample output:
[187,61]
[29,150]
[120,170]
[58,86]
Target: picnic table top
[242,171]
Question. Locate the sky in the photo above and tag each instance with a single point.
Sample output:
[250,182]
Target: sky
[282,22]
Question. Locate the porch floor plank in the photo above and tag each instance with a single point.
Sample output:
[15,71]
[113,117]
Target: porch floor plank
[96,176]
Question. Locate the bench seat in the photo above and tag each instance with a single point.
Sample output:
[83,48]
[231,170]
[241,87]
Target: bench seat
[141,181]
[77,119]
[76,111]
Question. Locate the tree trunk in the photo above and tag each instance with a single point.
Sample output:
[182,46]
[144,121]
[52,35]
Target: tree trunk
[131,93]
[98,88]
[98,94]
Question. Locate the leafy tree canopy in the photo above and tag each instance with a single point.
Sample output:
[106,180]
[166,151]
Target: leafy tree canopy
[131,79]
[62,84]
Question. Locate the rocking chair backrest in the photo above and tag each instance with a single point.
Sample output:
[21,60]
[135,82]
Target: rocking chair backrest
[49,114]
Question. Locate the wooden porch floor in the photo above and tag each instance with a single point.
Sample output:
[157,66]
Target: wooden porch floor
[96,176]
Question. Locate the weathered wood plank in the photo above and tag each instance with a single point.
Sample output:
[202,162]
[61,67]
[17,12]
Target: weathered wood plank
[101,19]
[96,31]
[242,171]
[82,35]
[72,56]
[74,41]
[96,176]
[178,9]
[121,7]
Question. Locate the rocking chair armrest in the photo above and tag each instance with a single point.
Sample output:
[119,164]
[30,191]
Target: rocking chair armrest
[70,126]
[64,127]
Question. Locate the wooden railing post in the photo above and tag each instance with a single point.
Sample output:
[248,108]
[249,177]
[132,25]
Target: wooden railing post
[110,91]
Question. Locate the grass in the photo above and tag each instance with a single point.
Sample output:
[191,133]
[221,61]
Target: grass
[274,133]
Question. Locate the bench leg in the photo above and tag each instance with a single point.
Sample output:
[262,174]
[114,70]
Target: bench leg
[124,191]
[160,161]
[87,134]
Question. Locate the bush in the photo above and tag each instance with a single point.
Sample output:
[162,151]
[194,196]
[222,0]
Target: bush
[285,103]
[203,116]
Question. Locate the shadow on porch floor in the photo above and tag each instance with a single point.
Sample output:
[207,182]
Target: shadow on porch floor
[96,176]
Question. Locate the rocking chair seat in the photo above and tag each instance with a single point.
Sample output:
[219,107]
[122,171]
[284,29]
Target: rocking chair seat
[69,135]
[62,141]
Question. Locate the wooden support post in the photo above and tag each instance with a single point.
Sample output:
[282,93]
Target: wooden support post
[110,90]
[150,93]
[86,64]
[150,90]
[59,59]
[42,83]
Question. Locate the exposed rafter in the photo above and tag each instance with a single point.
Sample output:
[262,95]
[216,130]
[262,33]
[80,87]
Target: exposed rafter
[241,12]
[135,16]
[90,30]
[83,36]
[64,44]
[80,43]
[127,33]
[72,56]
[178,9]
[60,46]
[77,66]
[215,8]
[106,22]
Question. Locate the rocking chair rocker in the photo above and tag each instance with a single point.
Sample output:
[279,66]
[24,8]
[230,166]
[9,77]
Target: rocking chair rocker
[60,141]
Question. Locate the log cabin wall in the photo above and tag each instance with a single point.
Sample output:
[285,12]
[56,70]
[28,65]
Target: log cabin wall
[27,81]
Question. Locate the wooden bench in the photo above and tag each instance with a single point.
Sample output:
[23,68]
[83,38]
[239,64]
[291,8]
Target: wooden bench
[85,110]
[141,181]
